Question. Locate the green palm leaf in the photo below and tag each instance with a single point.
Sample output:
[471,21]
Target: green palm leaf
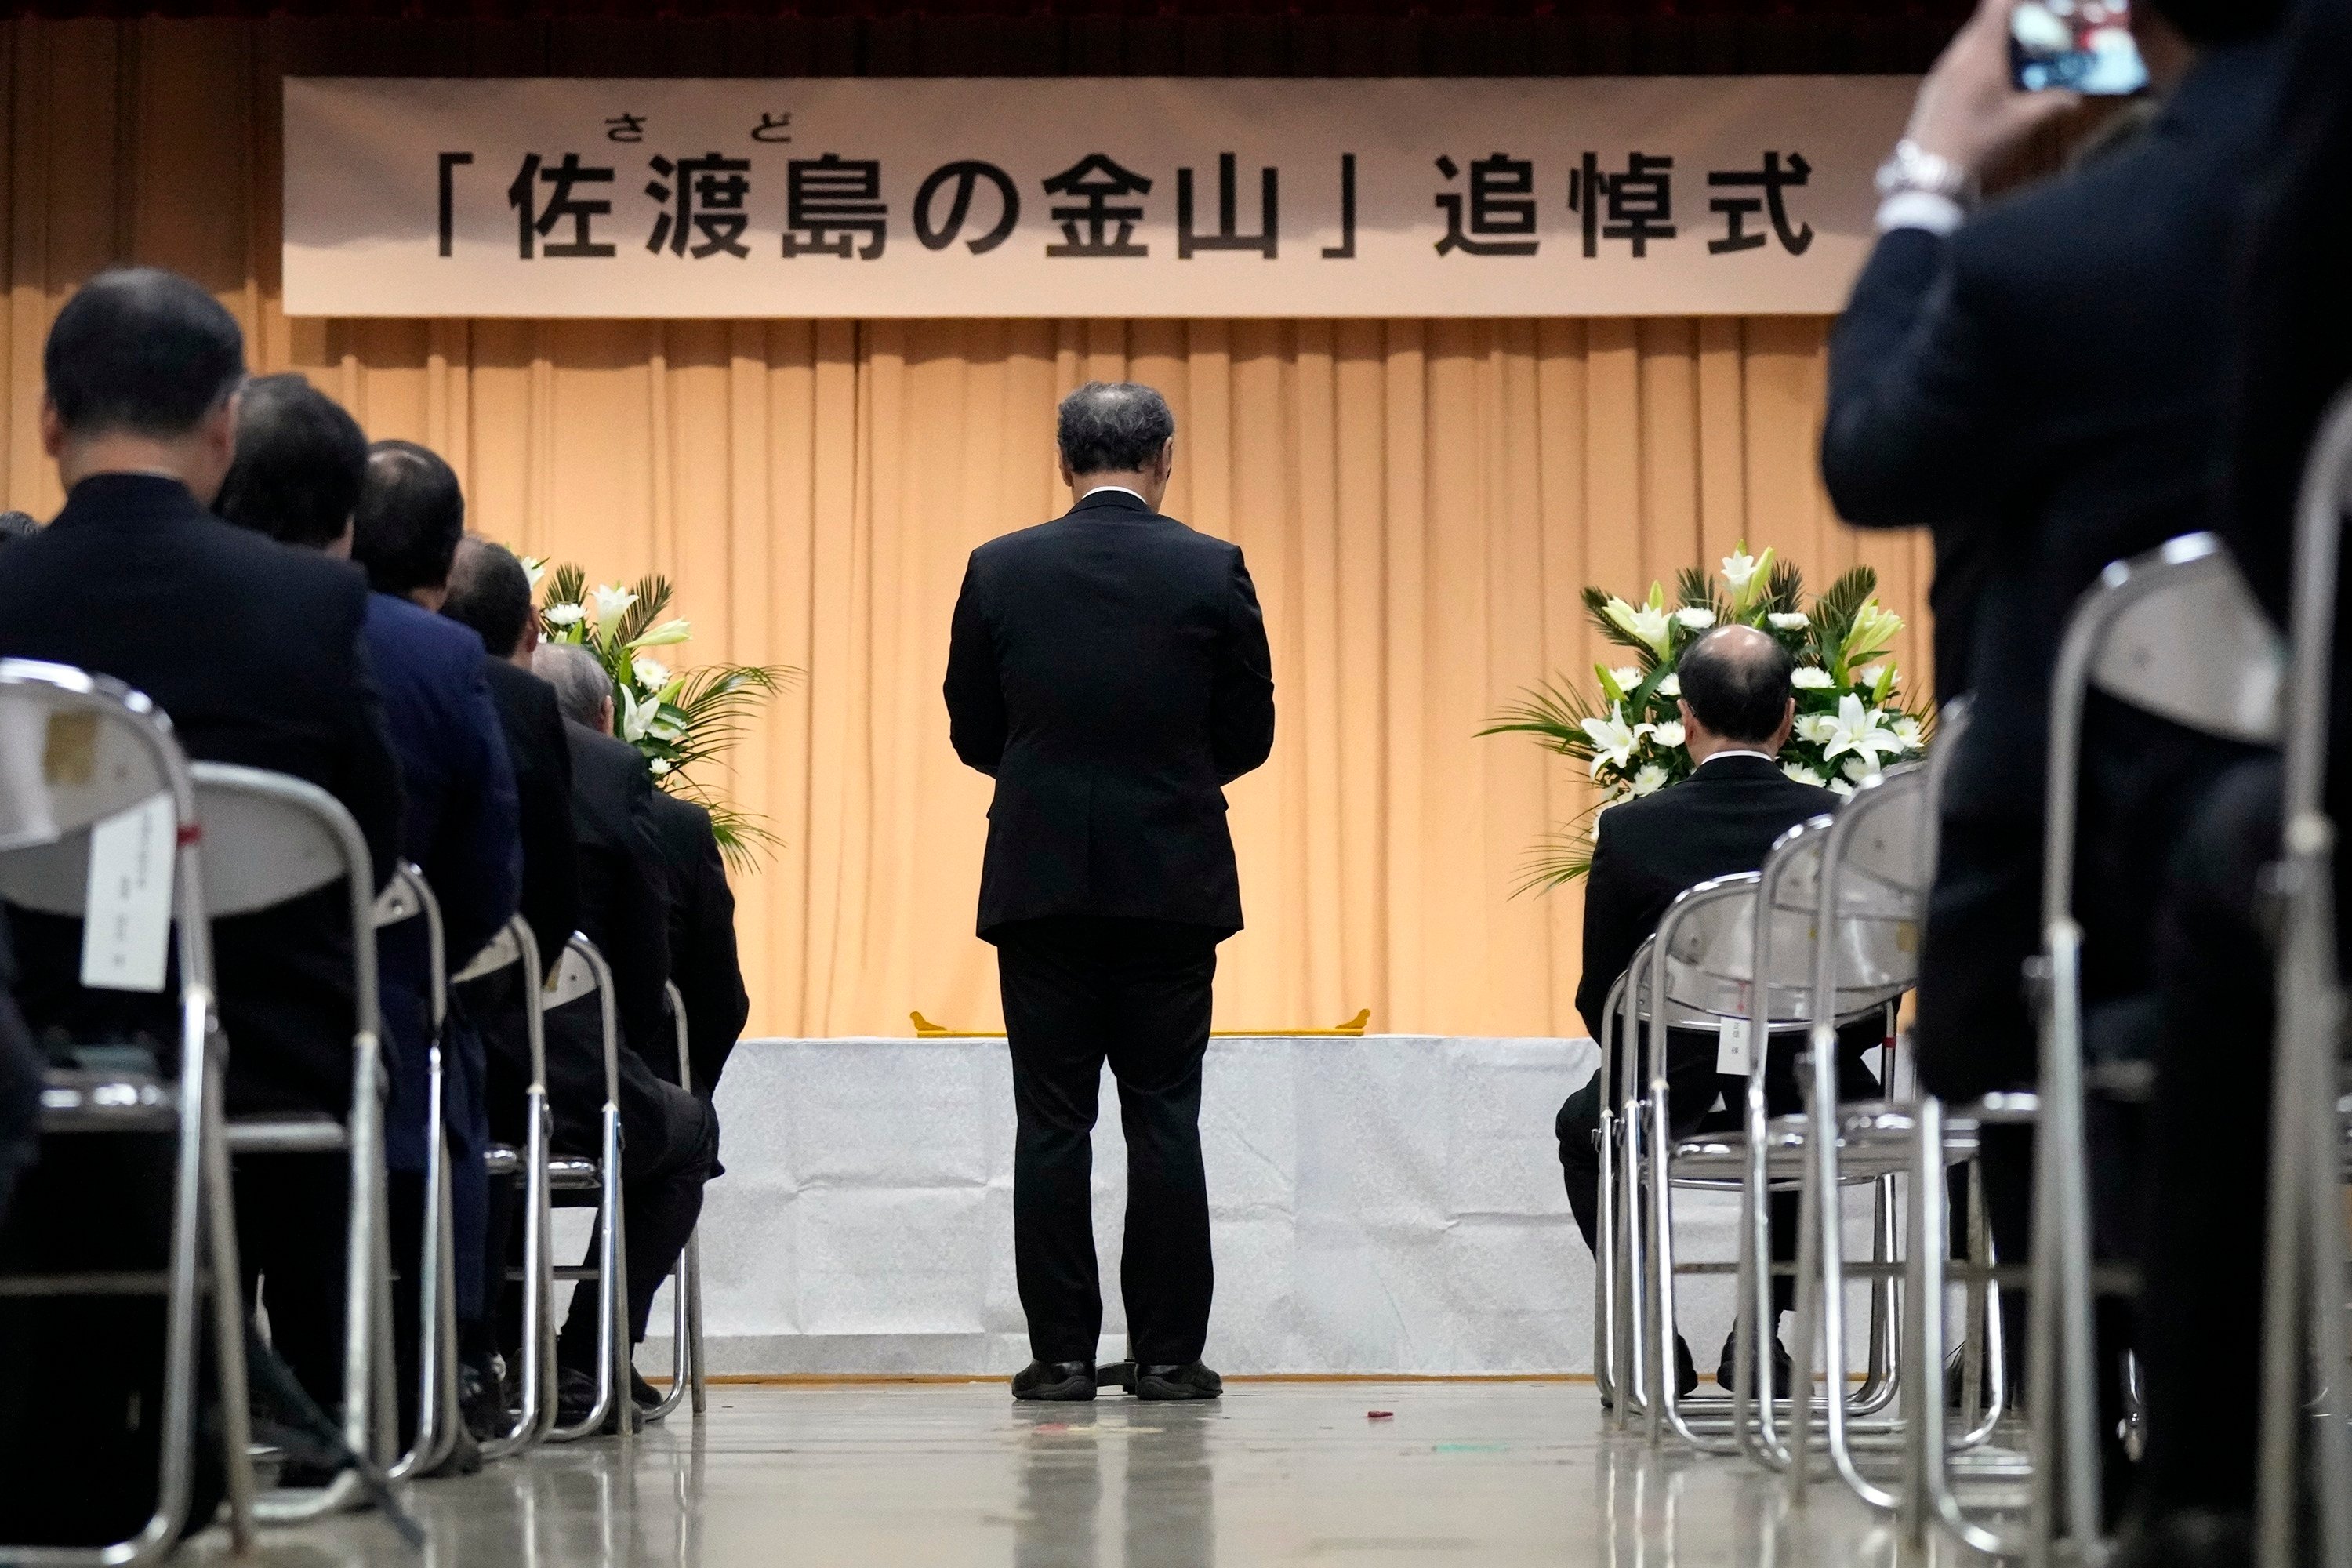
[653,592]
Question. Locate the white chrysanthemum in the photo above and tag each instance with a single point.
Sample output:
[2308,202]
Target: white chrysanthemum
[1668,734]
[1870,676]
[651,673]
[1697,617]
[1858,729]
[612,604]
[1858,771]
[1840,787]
[1650,780]
[660,767]
[1907,730]
[1803,775]
[1814,727]
[1612,739]
[1672,686]
[1812,678]
[1788,621]
[1626,676]
[564,614]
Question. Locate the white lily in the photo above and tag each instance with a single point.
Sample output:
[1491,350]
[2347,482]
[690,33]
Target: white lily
[651,673]
[1612,739]
[1646,623]
[1740,568]
[1672,686]
[670,631]
[1789,621]
[1803,775]
[612,604]
[565,615]
[534,567]
[1812,678]
[1650,780]
[637,716]
[1858,729]
[1668,734]
[1697,617]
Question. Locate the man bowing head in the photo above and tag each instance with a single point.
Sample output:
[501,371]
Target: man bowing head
[1110,670]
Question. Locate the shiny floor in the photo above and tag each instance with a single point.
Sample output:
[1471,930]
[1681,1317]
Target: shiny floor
[959,1476]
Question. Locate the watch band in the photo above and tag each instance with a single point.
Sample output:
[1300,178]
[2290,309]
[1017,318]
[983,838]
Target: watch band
[1911,167]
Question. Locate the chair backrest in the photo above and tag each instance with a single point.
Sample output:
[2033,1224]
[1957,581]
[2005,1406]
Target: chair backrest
[269,839]
[2185,640]
[497,953]
[575,976]
[76,750]
[1878,859]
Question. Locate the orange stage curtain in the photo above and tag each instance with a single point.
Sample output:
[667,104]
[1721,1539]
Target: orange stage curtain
[1421,503]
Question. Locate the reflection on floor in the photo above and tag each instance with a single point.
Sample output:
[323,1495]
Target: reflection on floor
[959,1476]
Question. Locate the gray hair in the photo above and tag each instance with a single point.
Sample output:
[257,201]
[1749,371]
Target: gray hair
[582,687]
[1113,427]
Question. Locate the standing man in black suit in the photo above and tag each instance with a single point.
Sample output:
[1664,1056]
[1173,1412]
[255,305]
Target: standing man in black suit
[1738,707]
[1110,671]
[671,1137]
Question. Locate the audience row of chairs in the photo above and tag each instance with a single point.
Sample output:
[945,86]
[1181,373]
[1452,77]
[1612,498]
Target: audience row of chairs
[1828,931]
[87,751]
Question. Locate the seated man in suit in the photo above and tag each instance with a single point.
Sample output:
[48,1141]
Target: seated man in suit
[491,592]
[703,964]
[304,474]
[670,1137]
[1738,707]
[255,652]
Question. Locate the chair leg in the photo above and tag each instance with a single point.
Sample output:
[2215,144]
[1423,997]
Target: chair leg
[229,1323]
[701,1382]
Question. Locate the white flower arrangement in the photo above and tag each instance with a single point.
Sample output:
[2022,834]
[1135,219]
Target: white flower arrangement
[1852,720]
[674,719]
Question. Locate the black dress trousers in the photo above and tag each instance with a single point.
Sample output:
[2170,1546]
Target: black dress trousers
[1079,991]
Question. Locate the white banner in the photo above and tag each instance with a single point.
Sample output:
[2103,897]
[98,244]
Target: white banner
[1072,197]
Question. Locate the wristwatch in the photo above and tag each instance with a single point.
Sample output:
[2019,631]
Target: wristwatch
[1911,167]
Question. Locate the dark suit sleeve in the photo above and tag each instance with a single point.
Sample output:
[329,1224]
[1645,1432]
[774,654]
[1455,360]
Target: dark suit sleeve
[367,774]
[551,855]
[975,694]
[1613,928]
[1915,404]
[20,1080]
[1240,715]
[639,953]
[703,958]
[476,868]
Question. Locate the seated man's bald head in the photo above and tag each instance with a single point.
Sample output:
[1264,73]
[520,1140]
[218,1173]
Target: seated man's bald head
[1736,688]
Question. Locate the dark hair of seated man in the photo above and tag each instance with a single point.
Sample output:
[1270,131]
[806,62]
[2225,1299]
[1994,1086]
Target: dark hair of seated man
[411,516]
[300,460]
[491,592]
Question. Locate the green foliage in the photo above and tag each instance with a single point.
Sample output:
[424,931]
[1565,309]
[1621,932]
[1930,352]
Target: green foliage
[1627,730]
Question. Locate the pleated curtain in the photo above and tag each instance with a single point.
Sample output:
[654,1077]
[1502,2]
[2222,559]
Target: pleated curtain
[1421,503]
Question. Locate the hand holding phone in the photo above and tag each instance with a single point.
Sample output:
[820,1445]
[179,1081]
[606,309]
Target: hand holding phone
[2075,45]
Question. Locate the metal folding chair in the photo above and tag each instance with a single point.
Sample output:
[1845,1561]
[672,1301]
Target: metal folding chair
[515,947]
[2304,1281]
[81,750]
[406,898]
[268,839]
[686,1286]
[582,973]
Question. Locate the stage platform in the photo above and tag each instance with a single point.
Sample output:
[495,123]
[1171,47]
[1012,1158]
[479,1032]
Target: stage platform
[1382,1205]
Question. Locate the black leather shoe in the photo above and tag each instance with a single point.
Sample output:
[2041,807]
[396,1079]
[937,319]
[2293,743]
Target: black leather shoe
[576,1396]
[1066,1381]
[1729,1369]
[482,1397]
[1686,1370]
[1191,1380]
[644,1394]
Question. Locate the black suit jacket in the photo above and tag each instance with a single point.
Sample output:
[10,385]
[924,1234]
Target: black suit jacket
[623,910]
[542,770]
[20,1082]
[2043,388]
[1647,852]
[1110,671]
[703,962]
[253,650]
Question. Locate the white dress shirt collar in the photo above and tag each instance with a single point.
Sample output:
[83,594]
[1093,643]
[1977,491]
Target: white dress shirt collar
[1736,752]
[1121,490]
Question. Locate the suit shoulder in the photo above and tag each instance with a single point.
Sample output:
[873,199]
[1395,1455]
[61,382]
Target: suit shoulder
[433,637]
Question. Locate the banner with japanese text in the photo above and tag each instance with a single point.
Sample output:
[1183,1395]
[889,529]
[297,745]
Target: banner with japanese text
[1069,197]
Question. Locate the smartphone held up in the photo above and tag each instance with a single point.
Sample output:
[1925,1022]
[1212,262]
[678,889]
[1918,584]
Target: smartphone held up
[2079,46]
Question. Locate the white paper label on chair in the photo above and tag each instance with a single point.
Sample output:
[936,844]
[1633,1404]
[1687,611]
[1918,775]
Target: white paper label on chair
[127,933]
[1732,1058]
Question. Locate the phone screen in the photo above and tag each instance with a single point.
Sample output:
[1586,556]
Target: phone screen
[2084,46]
